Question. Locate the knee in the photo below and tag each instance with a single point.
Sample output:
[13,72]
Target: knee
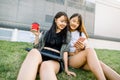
[90,50]
[45,65]
[50,66]
[33,51]
[35,56]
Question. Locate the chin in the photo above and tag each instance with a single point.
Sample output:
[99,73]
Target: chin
[72,28]
[62,28]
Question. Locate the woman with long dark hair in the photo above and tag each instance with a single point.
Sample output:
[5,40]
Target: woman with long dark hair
[52,42]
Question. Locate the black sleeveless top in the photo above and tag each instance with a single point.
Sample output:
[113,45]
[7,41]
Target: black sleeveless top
[56,42]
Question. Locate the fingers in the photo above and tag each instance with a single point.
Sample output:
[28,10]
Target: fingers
[36,33]
[71,74]
[79,45]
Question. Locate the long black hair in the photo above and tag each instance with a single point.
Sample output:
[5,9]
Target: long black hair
[52,31]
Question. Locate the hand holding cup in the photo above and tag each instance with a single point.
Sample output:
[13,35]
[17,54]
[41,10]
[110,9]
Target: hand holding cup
[35,29]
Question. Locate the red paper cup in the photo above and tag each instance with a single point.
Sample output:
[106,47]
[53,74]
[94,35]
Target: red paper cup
[35,26]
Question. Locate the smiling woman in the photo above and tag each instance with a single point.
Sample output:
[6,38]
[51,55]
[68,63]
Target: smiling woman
[61,23]
[52,42]
[85,57]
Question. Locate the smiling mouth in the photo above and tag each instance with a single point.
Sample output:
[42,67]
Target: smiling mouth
[73,26]
[62,26]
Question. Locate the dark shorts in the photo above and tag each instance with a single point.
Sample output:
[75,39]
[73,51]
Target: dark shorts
[46,58]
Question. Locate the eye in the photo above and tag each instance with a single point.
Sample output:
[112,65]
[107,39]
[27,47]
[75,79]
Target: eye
[64,21]
[73,21]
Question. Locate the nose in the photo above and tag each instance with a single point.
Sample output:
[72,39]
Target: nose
[64,24]
[74,23]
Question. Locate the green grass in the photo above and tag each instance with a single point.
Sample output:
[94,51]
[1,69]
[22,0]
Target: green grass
[12,55]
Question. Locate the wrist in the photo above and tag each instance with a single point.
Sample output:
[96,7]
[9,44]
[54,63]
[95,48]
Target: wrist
[84,47]
[36,36]
[66,70]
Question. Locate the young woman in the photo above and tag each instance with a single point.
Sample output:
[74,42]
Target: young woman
[54,41]
[81,55]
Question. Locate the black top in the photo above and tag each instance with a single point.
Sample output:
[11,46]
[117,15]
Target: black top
[56,42]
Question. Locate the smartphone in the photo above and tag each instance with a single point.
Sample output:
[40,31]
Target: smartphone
[81,39]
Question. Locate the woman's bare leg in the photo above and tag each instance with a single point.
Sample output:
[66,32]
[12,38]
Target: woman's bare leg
[78,60]
[94,65]
[48,70]
[109,72]
[89,57]
[30,65]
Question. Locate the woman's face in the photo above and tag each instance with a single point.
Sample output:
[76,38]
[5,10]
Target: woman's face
[61,22]
[74,23]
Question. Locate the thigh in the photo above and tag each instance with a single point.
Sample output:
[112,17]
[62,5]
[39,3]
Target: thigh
[30,65]
[34,55]
[85,67]
[50,65]
[78,60]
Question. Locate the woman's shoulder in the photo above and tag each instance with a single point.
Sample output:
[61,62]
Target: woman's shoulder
[83,35]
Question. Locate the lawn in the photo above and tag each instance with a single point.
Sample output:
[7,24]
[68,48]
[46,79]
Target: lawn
[12,55]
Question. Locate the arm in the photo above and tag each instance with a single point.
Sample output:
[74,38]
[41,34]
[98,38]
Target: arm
[36,33]
[36,40]
[65,58]
[35,29]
